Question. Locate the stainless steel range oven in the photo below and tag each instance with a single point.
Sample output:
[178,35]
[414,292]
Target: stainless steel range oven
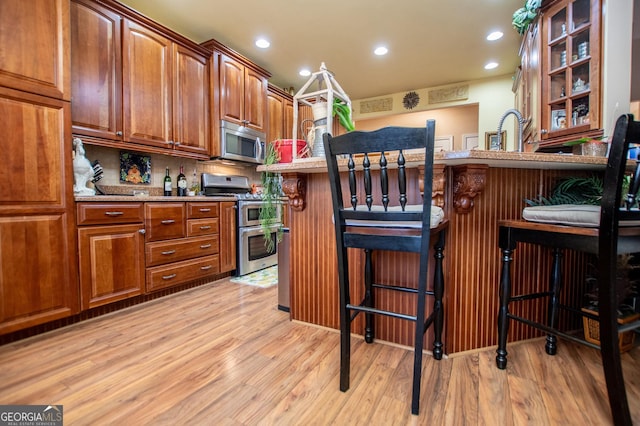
[252,253]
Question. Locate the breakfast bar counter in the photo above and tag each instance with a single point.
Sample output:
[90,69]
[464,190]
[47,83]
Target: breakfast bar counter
[476,189]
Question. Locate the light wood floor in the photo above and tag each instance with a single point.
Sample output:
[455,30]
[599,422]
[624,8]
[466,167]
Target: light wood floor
[222,354]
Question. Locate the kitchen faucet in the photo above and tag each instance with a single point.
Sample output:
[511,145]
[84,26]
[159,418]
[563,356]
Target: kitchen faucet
[520,119]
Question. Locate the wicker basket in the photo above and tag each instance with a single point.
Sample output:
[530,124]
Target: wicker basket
[592,330]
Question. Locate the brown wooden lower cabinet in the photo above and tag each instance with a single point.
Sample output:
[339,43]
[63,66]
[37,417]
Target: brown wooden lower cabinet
[227,236]
[111,263]
[181,272]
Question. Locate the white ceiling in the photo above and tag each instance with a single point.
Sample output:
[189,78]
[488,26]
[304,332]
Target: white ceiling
[431,42]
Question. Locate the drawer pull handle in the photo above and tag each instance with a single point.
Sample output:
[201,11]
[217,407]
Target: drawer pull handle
[205,210]
[205,246]
[205,268]
[168,252]
[168,277]
[114,213]
[205,227]
[168,221]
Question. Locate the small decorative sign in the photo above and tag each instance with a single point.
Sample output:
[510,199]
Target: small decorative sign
[376,105]
[449,94]
[135,168]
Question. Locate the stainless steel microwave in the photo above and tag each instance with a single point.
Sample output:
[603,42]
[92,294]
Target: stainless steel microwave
[241,143]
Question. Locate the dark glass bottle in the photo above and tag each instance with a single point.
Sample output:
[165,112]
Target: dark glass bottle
[182,183]
[167,184]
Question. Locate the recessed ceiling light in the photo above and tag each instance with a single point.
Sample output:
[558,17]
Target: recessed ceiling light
[381,50]
[496,35]
[305,72]
[491,65]
[262,43]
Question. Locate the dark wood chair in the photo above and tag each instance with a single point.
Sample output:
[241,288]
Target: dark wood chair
[386,223]
[607,231]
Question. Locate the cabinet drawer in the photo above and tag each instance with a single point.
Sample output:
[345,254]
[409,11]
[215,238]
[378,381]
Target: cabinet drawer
[197,227]
[200,210]
[181,272]
[108,213]
[162,252]
[164,221]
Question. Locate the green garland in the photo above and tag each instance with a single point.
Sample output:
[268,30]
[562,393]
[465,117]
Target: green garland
[271,197]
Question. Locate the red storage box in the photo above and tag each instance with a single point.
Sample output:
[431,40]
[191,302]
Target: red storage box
[285,148]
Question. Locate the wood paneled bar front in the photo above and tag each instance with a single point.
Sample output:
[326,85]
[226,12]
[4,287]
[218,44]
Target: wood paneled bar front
[476,189]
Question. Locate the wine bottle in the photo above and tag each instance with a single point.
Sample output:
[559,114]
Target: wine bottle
[182,183]
[195,184]
[167,183]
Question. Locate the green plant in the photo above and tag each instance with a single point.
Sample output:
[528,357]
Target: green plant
[572,190]
[343,111]
[583,140]
[525,15]
[271,197]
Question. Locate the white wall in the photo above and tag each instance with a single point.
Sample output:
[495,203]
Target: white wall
[493,97]
[616,74]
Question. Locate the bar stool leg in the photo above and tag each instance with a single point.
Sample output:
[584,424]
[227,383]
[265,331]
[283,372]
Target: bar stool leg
[369,330]
[551,345]
[345,320]
[503,319]
[438,290]
[419,339]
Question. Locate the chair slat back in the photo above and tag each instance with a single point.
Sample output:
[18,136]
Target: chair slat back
[379,151]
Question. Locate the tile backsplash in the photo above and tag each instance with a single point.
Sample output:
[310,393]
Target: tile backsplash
[109,159]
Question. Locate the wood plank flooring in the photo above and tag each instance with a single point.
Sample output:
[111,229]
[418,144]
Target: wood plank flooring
[222,354]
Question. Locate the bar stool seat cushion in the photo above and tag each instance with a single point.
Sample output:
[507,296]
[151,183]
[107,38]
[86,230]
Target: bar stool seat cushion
[437,216]
[564,214]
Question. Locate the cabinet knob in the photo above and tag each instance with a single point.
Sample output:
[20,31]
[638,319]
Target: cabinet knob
[142,231]
[168,221]
[205,268]
[176,143]
[205,246]
[119,133]
[543,131]
[113,214]
[169,277]
[205,227]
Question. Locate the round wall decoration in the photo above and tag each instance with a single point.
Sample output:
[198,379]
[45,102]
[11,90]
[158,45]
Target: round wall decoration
[410,100]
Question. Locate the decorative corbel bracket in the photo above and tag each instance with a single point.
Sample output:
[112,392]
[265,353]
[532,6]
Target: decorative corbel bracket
[437,190]
[468,181]
[294,186]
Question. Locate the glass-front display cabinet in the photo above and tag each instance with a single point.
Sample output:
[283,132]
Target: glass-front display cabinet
[570,98]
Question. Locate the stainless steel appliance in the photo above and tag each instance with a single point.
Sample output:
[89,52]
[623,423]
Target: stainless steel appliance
[252,253]
[241,143]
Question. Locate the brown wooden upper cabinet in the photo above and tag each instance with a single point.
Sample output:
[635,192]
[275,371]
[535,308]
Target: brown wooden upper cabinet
[243,94]
[133,84]
[280,114]
[35,29]
[566,105]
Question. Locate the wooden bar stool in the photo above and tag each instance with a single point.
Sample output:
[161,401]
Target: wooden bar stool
[608,230]
[381,219]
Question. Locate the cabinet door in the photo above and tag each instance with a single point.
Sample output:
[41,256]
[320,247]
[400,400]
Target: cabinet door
[36,143]
[227,236]
[147,76]
[571,69]
[275,108]
[288,119]
[38,279]
[111,262]
[255,100]
[34,36]
[96,60]
[191,102]
[231,90]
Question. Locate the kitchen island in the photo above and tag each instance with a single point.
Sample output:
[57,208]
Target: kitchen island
[475,189]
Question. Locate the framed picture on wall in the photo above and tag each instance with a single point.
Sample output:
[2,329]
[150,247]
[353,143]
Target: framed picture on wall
[491,141]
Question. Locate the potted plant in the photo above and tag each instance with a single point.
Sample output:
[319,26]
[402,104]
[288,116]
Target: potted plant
[592,146]
[627,290]
[271,197]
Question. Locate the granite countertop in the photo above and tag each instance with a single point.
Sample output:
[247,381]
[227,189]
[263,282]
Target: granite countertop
[145,198]
[502,159]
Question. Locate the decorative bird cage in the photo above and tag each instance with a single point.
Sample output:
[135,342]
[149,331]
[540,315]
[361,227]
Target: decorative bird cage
[318,93]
